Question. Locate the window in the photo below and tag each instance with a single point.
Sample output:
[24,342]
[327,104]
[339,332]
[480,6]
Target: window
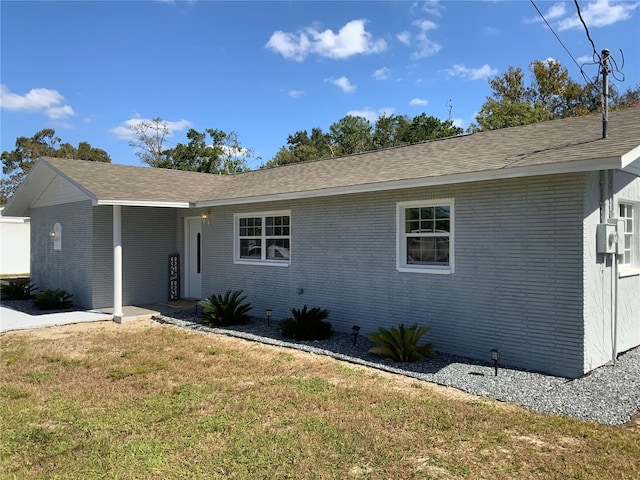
[626,213]
[263,238]
[425,237]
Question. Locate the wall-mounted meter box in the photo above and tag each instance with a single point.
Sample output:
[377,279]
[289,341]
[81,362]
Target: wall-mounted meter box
[606,238]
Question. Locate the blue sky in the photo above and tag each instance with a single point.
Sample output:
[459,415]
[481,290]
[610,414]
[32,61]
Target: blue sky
[267,69]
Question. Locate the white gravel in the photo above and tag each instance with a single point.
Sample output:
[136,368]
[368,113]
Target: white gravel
[608,395]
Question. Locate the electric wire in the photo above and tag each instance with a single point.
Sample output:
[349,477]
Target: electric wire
[584,75]
[586,29]
[617,70]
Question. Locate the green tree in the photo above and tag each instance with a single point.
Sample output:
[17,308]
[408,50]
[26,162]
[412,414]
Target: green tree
[234,155]
[551,94]
[354,134]
[425,127]
[510,105]
[390,131]
[349,135]
[18,162]
[222,154]
[300,148]
[150,136]
[629,98]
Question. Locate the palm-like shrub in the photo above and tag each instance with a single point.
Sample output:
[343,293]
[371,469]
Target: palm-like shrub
[306,324]
[227,310]
[21,289]
[52,300]
[401,343]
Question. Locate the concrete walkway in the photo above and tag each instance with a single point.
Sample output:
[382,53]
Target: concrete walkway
[11,319]
[14,320]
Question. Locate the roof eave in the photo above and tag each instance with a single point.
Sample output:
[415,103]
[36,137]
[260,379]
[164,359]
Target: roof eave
[143,203]
[513,172]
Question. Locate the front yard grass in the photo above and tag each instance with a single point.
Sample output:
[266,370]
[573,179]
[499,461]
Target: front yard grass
[144,400]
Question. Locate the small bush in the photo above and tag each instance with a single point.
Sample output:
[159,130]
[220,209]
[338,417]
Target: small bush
[306,324]
[21,289]
[401,344]
[227,310]
[52,300]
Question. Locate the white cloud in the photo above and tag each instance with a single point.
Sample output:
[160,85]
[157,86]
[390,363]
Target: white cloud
[382,73]
[557,10]
[372,115]
[425,25]
[57,113]
[404,37]
[585,59]
[425,46]
[352,39]
[491,31]
[289,45]
[432,7]
[596,13]
[125,132]
[459,70]
[343,83]
[600,13]
[296,93]
[418,101]
[38,100]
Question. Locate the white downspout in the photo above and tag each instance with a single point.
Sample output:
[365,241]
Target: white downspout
[118,315]
[612,219]
[607,214]
[614,298]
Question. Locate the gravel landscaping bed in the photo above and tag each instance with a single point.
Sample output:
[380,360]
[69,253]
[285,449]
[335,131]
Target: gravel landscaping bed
[609,395]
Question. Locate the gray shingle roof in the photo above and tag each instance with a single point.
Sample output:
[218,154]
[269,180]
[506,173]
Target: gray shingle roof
[546,144]
[109,181]
[571,144]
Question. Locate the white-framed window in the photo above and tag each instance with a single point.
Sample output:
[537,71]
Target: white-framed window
[263,238]
[425,236]
[627,213]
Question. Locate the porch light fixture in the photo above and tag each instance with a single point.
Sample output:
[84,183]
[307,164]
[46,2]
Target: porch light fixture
[267,313]
[495,356]
[205,218]
[56,236]
[355,331]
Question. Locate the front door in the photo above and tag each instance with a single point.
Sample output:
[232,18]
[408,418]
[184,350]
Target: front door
[193,242]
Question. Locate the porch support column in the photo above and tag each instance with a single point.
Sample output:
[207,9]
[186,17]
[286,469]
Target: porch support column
[118,315]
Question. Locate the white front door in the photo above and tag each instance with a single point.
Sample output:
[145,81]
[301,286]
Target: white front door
[193,260]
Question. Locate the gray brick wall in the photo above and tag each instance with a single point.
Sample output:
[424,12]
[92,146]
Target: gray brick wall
[70,268]
[518,268]
[148,238]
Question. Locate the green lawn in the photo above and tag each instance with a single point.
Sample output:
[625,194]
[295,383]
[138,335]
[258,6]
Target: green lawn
[144,400]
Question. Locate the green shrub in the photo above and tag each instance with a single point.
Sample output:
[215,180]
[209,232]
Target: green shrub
[52,300]
[306,324]
[227,310]
[401,344]
[21,289]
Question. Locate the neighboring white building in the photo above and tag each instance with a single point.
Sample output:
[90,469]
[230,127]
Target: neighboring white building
[14,246]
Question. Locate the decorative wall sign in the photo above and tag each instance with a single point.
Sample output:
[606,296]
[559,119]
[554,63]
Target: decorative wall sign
[174,276]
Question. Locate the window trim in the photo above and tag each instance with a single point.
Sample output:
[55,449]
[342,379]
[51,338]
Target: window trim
[401,243]
[236,238]
[632,268]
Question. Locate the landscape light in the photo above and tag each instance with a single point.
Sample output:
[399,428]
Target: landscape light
[495,356]
[356,330]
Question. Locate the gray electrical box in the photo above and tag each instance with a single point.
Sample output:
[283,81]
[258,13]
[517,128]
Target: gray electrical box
[606,239]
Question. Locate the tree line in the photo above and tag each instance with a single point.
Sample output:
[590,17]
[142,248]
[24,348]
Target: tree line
[550,94]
